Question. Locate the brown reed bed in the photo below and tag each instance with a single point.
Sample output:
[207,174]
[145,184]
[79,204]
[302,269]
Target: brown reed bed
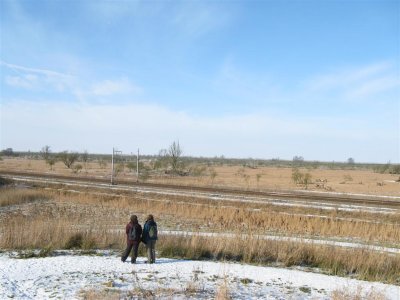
[219,217]
[84,207]
[12,196]
[38,233]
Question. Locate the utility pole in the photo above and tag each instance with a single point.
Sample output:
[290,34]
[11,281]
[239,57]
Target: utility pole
[112,167]
[115,152]
[137,166]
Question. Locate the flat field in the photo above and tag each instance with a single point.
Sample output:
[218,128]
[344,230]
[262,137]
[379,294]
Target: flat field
[355,181]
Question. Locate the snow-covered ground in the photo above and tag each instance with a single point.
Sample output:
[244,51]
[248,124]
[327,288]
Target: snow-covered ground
[66,275]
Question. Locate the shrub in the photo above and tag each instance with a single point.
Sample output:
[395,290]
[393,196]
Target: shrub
[77,168]
[301,178]
[395,169]
[5,181]
[74,242]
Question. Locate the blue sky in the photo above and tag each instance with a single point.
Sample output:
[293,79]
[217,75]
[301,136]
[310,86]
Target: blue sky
[261,79]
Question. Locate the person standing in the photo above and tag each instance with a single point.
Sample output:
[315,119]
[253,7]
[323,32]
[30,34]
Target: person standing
[133,235]
[149,237]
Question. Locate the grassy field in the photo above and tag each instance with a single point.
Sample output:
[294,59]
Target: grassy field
[346,180]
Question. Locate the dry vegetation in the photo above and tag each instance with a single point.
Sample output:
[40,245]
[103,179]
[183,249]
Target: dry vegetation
[60,219]
[359,294]
[364,181]
[11,197]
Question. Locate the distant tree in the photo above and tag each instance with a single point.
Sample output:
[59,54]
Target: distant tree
[161,161]
[298,158]
[85,158]
[45,152]
[68,158]
[51,161]
[174,155]
[395,169]
[8,152]
[350,161]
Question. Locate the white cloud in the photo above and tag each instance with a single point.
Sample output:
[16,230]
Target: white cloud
[113,87]
[150,127]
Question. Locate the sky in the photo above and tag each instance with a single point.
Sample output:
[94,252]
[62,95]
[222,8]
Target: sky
[259,79]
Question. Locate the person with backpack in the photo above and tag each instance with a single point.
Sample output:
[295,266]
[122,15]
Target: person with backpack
[150,237]
[133,236]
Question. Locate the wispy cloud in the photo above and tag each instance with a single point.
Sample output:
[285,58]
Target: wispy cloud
[374,86]
[114,87]
[36,78]
[357,83]
[195,18]
[112,10]
[246,86]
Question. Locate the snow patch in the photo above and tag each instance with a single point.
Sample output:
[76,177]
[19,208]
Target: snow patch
[66,276]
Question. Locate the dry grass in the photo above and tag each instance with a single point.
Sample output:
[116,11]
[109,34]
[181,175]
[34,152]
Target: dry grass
[357,263]
[11,196]
[238,218]
[363,181]
[222,292]
[100,295]
[82,211]
[359,294]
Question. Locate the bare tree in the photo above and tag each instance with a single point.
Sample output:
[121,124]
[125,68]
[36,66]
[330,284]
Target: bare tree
[174,154]
[68,158]
[298,158]
[85,158]
[161,160]
[45,152]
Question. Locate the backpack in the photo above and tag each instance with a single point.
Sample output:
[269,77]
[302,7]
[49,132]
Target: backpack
[132,233]
[153,231]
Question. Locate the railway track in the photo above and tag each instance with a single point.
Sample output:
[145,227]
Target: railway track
[361,200]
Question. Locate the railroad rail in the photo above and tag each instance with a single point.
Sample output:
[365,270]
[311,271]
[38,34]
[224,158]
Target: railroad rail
[374,200]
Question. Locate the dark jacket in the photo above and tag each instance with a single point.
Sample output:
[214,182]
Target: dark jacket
[146,229]
[138,229]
